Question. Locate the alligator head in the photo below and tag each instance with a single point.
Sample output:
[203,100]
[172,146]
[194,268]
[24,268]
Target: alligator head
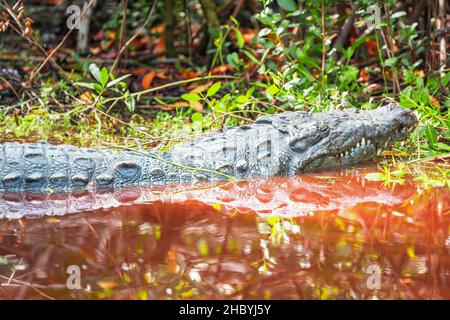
[339,138]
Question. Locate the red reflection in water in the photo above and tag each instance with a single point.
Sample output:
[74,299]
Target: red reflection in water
[306,237]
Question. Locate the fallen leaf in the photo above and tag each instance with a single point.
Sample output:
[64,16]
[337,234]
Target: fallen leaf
[148,79]
[95,50]
[139,71]
[180,104]
[187,74]
[434,101]
[161,75]
[160,45]
[371,46]
[222,69]
[87,97]
[372,87]
[196,105]
[249,34]
[363,75]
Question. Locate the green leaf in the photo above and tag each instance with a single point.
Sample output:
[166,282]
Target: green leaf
[251,57]
[430,134]
[288,5]
[233,19]
[398,14]
[213,89]
[273,90]
[191,97]
[239,38]
[104,76]
[131,104]
[242,99]
[116,81]
[84,84]
[442,146]
[95,71]
[197,117]
[98,87]
[391,62]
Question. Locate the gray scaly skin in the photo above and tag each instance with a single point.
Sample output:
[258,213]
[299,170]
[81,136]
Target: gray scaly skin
[282,144]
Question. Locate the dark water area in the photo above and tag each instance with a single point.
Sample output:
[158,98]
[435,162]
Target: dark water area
[321,236]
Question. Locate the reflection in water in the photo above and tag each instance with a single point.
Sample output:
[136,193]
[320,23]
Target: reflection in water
[306,237]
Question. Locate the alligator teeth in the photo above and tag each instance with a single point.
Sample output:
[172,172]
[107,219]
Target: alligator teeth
[378,152]
[358,144]
[386,144]
[363,142]
[346,153]
[368,141]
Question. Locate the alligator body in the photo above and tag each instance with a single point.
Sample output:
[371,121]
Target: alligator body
[282,144]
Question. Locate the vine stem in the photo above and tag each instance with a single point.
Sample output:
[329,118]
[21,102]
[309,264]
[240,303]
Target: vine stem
[176,164]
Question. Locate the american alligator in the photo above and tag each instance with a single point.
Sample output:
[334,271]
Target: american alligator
[282,144]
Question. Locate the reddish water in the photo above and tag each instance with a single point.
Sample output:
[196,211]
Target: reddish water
[306,237]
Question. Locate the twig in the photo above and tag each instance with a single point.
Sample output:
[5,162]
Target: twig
[238,8]
[122,34]
[31,39]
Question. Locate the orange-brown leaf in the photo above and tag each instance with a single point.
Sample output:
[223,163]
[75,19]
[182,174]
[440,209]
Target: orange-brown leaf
[222,69]
[148,79]
[187,74]
[371,46]
[363,75]
[434,101]
[196,105]
[139,71]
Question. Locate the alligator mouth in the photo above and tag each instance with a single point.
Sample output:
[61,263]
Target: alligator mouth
[366,148]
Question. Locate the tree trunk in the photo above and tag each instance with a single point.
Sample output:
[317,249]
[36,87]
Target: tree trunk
[169,23]
[210,11]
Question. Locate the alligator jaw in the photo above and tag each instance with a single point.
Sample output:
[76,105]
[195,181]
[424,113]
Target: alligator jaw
[359,136]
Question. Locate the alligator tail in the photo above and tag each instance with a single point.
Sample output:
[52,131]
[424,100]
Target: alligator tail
[42,166]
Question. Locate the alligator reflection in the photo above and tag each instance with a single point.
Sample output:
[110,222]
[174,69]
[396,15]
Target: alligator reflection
[308,237]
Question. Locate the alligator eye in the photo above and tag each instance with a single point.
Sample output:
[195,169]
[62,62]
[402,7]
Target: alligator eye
[308,136]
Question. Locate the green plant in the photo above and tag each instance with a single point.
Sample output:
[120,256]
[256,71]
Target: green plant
[105,83]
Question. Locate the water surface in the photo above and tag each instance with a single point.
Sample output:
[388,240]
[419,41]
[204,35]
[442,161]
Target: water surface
[321,236]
